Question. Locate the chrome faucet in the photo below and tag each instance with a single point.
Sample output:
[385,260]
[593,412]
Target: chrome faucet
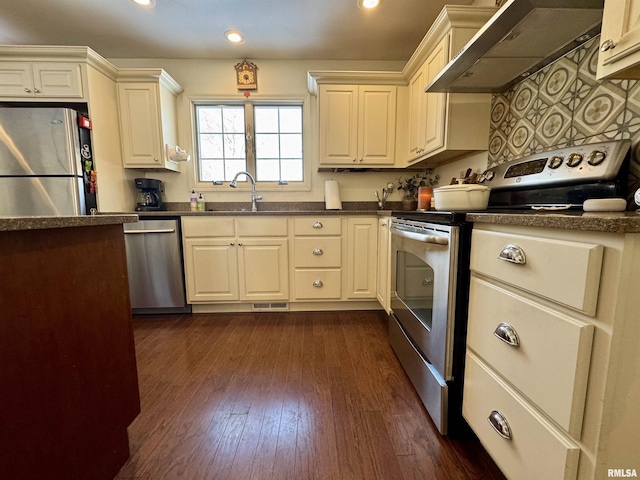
[254,196]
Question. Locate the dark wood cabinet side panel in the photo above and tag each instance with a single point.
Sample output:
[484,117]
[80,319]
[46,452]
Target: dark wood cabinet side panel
[67,358]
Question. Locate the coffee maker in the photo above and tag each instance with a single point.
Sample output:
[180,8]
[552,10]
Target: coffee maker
[149,198]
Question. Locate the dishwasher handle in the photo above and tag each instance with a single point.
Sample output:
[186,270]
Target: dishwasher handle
[143,232]
[420,237]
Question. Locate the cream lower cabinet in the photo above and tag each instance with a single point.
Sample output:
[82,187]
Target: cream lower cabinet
[383,284]
[362,244]
[551,345]
[236,259]
[619,55]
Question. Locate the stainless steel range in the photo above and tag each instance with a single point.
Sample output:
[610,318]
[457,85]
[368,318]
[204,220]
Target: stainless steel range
[430,262]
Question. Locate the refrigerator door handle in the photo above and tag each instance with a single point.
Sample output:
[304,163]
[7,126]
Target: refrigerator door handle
[142,232]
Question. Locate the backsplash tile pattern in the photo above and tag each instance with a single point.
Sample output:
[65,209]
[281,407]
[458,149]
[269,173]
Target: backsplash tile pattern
[562,105]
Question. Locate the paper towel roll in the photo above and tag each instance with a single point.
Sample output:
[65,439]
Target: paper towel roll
[332,195]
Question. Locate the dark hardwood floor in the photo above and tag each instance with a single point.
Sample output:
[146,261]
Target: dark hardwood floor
[284,396]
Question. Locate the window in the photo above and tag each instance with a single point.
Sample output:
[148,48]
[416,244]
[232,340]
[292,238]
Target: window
[264,139]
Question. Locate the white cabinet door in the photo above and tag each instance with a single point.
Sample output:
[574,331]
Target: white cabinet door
[417,114]
[357,125]
[376,125]
[362,239]
[211,269]
[338,124]
[264,268]
[435,103]
[140,124]
[42,80]
[620,40]
[384,260]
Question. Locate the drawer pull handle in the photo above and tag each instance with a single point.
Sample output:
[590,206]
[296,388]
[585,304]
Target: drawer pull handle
[500,424]
[318,283]
[514,254]
[507,334]
[318,251]
[607,45]
[317,225]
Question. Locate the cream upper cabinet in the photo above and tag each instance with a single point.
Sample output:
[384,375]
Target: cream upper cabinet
[42,80]
[147,100]
[362,240]
[357,125]
[619,55]
[444,126]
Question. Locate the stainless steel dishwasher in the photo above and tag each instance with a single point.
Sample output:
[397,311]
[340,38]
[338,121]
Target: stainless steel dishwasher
[154,261]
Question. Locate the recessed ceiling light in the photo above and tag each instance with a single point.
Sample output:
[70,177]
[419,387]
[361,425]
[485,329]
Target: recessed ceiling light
[234,36]
[145,3]
[368,3]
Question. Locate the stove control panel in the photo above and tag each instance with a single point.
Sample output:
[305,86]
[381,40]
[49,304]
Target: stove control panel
[583,163]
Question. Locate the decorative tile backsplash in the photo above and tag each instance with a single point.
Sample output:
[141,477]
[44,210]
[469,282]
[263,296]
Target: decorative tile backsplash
[563,105]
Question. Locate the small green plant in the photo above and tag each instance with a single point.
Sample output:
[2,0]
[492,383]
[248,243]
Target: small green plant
[410,185]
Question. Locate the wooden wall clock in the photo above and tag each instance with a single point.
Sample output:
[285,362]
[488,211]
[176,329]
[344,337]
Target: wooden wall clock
[246,75]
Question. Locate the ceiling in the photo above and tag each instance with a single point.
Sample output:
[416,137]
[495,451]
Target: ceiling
[274,29]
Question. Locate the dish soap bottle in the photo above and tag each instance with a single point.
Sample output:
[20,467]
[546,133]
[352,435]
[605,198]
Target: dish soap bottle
[200,204]
[194,201]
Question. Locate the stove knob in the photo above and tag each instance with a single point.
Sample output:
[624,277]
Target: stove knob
[574,160]
[596,157]
[555,162]
[490,174]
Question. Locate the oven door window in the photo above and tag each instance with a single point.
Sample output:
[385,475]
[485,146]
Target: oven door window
[414,286]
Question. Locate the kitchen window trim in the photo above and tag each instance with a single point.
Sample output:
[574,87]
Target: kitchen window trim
[261,186]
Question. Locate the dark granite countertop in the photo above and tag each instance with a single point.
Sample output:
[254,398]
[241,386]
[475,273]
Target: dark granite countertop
[40,223]
[613,222]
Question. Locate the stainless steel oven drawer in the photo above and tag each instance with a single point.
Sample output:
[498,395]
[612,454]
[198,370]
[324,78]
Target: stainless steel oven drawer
[432,390]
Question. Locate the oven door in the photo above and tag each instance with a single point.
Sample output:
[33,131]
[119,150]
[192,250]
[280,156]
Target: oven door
[424,266]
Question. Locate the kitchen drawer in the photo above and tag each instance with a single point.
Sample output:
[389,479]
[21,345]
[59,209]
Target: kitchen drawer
[551,364]
[536,449]
[254,226]
[317,225]
[565,272]
[318,252]
[207,227]
[317,284]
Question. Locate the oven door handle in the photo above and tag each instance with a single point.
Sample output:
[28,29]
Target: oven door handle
[420,237]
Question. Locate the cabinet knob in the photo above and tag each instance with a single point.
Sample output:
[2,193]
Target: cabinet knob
[155,159]
[507,334]
[239,244]
[27,90]
[361,160]
[36,90]
[607,45]
[318,283]
[232,244]
[500,424]
[355,160]
[317,225]
[318,251]
[514,254]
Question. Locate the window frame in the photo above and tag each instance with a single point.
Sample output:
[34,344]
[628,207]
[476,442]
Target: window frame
[304,102]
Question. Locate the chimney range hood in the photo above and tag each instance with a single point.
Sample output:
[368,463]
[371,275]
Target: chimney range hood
[521,38]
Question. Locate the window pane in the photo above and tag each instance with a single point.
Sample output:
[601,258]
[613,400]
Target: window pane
[234,166]
[292,170]
[291,119]
[268,170]
[210,119]
[211,146]
[212,170]
[266,119]
[291,145]
[233,119]
[234,145]
[267,146]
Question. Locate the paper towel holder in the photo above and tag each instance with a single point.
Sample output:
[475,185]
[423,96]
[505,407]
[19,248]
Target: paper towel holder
[177,154]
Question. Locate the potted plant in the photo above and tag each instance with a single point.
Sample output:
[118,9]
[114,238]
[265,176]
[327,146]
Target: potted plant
[410,186]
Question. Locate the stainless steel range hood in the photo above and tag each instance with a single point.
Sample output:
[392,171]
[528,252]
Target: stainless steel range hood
[522,37]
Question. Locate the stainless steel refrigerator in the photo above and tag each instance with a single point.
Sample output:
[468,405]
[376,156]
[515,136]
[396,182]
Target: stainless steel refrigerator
[46,163]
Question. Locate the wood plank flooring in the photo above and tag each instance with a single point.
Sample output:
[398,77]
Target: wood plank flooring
[284,396]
